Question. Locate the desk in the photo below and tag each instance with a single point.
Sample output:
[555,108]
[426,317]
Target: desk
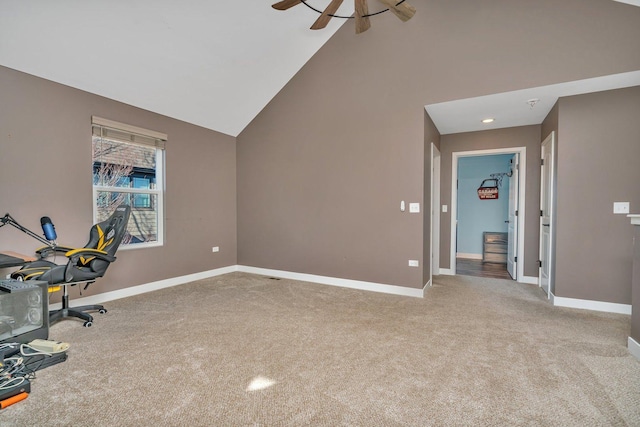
[13,259]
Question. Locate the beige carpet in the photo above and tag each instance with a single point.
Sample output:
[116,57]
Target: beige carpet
[245,350]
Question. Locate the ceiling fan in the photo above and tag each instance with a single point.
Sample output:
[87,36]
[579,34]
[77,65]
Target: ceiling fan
[401,9]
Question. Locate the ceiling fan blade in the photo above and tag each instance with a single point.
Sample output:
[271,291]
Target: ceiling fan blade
[325,16]
[362,21]
[285,4]
[404,10]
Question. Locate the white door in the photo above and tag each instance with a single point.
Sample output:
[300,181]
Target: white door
[547,178]
[512,221]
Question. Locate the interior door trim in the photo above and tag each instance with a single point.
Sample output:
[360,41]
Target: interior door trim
[522,179]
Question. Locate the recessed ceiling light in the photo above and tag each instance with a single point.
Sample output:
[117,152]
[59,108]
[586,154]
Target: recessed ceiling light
[490,120]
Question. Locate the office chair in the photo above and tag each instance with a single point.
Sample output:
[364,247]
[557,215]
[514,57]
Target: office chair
[84,265]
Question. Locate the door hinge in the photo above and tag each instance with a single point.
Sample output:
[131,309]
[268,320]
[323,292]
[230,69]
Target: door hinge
[541,213]
[515,259]
[541,162]
[516,212]
[540,263]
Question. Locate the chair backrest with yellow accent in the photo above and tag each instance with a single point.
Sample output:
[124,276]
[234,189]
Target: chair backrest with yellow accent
[106,236]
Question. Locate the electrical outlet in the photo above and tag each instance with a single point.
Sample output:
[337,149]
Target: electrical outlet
[414,207]
[445,208]
[620,207]
[414,263]
[215,249]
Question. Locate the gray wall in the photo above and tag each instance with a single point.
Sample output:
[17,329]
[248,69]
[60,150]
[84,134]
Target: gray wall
[322,169]
[523,136]
[325,199]
[45,169]
[598,153]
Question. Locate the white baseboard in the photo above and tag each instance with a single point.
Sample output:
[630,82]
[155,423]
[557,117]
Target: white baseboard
[147,287]
[161,284]
[332,281]
[634,348]
[335,281]
[609,307]
[530,280]
[468,256]
[447,272]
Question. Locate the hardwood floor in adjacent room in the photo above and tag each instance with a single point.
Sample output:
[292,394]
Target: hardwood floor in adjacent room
[475,267]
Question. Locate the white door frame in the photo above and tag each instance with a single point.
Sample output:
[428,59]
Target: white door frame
[547,213]
[434,253]
[522,180]
[512,227]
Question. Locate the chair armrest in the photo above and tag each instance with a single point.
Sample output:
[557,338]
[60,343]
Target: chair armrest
[85,252]
[81,258]
[47,251]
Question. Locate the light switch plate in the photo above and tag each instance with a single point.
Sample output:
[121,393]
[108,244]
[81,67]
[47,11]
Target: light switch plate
[445,208]
[414,207]
[620,207]
[414,263]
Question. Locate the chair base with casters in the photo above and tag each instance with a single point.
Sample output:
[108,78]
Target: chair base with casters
[74,312]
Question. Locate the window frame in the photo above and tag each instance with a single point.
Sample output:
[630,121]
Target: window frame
[159,186]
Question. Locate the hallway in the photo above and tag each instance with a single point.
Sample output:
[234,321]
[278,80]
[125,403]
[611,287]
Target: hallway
[475,267]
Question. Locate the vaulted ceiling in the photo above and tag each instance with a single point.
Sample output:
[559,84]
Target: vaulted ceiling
[212,64]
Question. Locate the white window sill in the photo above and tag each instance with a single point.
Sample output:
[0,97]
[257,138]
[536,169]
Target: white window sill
[140,246]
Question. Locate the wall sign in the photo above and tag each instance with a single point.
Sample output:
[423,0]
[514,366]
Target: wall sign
[488,191]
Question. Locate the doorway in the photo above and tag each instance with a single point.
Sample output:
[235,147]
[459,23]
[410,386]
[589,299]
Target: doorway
[470,253]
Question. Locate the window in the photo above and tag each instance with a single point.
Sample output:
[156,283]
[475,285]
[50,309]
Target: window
[128,166]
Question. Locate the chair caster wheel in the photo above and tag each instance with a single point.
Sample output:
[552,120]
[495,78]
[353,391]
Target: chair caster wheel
[87,324]
[102,311]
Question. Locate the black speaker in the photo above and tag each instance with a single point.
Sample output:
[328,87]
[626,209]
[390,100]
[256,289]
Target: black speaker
[24,313]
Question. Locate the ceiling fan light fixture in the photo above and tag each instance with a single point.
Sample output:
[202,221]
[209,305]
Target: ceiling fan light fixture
[402,9]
